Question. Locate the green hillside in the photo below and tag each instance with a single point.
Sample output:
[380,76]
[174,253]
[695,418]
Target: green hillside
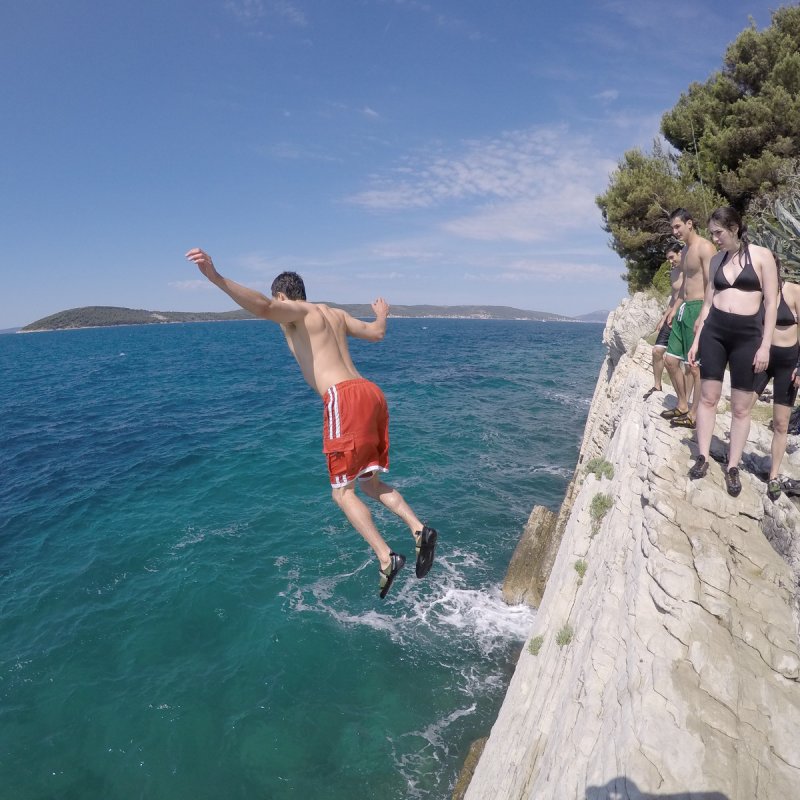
[104,316]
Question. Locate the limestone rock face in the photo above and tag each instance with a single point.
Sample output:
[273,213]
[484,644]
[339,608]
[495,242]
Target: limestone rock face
[533,557]
[669,664]
[635,318]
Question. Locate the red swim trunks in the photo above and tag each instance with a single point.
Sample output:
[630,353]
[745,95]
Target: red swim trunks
[355,431]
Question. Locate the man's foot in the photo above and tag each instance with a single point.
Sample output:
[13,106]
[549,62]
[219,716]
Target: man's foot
[396,563]
[732,482]
[699,469]
[773,489]
[426,543]
[650,391]
[674,413]
[683,422]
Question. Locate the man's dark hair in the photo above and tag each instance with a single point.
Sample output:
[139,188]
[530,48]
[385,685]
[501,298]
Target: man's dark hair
[682,213]
[290,284]
[675,247]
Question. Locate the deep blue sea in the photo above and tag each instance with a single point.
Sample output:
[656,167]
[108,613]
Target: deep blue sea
[184,612]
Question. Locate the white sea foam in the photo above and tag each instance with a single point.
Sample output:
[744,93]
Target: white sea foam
[479,616]
[568,399]
[549,469]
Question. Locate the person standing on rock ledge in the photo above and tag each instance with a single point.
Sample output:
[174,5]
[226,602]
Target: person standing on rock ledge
[783,358]
[355,436]
[697,256]
[664,327]
[732,332]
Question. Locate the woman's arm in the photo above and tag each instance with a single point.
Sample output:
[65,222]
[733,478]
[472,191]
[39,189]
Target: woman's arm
[769,286]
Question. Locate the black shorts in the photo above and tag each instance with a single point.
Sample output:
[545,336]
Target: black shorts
[782,363]
[663,336]
[730,340]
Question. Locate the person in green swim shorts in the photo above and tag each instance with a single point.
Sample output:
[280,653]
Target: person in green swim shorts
[697,255]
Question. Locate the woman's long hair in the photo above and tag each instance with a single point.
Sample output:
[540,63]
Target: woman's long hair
[730,219]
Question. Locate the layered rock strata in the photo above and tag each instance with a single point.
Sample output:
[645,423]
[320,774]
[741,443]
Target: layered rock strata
[664,658]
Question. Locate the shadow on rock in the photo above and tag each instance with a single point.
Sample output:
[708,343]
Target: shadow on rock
[622,788]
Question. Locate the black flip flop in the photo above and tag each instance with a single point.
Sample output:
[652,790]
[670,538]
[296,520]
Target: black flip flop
[426,544]
[396,563]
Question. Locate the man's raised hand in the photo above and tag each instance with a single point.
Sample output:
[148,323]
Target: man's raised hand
[381,308]
[203,261]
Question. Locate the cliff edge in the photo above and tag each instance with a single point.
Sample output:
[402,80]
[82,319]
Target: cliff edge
[664,660]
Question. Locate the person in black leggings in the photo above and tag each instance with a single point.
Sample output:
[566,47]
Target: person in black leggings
[782,369]
[732,332]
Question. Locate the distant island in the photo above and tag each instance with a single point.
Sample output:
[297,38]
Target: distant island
[106,316]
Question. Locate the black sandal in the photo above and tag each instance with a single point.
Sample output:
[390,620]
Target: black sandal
[674,413]
[699,469]
[426,544]
[650,391]
[732,482]
[396,563]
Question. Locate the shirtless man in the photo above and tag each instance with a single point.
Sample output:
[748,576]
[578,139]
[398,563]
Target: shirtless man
[355,435]
[697,256]
[664,326]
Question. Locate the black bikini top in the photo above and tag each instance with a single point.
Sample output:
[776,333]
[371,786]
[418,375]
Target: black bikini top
[786,317]
[746,281]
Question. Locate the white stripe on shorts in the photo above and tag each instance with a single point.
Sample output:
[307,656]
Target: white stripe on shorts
[334,420]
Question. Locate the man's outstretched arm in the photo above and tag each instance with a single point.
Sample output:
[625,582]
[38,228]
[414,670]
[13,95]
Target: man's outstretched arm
[372,331]
[249,299]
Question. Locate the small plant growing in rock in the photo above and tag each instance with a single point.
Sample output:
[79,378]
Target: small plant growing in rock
[600,468]
[580,567]
[535,645]
[564,636]
[599,507]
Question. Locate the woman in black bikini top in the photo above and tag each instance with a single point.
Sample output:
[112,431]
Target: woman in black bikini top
[782,370]
[745,281]
[731,332]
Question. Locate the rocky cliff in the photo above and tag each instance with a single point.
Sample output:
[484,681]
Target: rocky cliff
[664,659]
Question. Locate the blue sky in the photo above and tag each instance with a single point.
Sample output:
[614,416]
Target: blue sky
[445,152]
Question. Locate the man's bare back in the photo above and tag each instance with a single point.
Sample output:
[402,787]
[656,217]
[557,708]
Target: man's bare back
[318,341]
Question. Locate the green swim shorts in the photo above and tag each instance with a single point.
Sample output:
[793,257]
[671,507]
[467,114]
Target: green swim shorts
[682,334]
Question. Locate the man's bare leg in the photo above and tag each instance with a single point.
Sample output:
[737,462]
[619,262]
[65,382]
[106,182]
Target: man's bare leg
[675,369]
[360,518]
[658,367]
[389,497]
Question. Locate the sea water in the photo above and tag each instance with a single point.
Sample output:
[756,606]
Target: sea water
[184,612]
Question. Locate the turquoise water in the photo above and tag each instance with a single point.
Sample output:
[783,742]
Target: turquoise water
[184,613]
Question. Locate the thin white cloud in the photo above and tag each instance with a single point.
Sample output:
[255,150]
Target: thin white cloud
[521,186]
[250,12]
[528,270]
[446,22]
[198,285]
[370,112]
[607,96]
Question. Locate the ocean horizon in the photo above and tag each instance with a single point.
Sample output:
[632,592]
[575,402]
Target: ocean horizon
[186,614]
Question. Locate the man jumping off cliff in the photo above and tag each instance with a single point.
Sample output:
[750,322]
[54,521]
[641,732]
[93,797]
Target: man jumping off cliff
[355,436]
